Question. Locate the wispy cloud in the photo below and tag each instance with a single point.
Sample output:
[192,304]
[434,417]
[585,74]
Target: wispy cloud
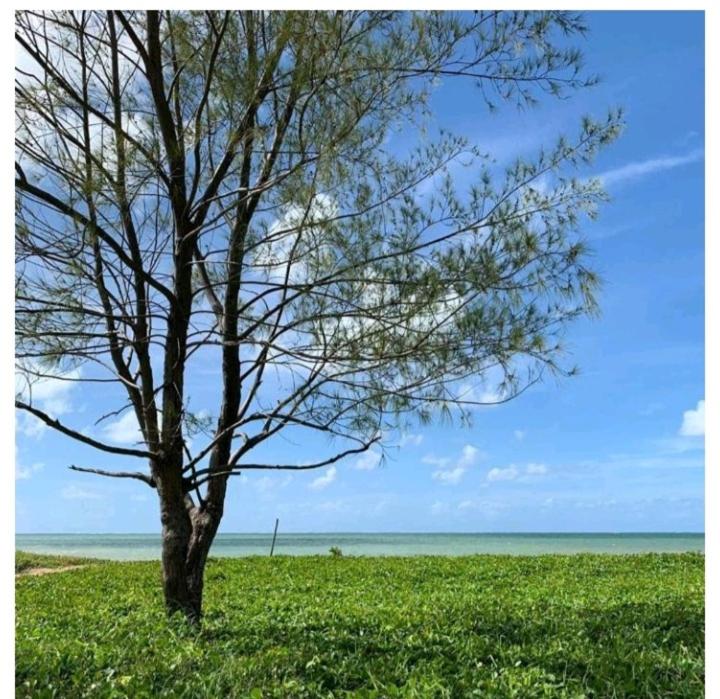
[651,409]
[693,423]
[667,454]
[489,397]
[643,168]
[435,460]
[438,507]
[50,393]
[124,430]
[513,472]
[454,475]
[536,469]
[451,476]
[23,473]
[487,508]
[325,480]
[503,474]
[269,484]
[369,460]
[73,492]
[409,439]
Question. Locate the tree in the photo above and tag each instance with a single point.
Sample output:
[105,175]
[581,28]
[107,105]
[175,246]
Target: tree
[229,189]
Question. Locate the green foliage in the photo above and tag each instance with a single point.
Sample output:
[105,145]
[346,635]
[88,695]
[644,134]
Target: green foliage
[484,626]
[336,552]
[380,280]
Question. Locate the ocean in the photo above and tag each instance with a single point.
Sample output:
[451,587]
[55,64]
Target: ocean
[147,546]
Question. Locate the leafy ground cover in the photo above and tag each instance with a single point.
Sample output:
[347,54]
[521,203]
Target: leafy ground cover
[480,626]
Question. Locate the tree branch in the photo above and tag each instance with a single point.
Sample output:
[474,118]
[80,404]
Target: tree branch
[57,425]
[207,473]
[116,474]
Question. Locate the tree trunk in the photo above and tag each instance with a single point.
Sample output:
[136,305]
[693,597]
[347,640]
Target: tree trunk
[204,527]
[205,521]
[188,534]
[176,533]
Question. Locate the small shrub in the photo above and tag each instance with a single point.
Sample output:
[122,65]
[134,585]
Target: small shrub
[336,552]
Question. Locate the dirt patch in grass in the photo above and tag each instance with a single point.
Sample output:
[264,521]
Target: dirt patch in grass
[32,562]
[45,571]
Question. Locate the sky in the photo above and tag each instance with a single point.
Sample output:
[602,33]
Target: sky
[618,448]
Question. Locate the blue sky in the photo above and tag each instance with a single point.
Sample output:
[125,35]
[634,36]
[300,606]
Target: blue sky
[619,448]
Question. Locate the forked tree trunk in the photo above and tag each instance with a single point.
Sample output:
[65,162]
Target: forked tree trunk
[204,527]
[187,537]
[188,529]
[181,572]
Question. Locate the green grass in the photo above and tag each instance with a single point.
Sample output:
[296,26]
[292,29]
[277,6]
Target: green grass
[483,626]
[26,561]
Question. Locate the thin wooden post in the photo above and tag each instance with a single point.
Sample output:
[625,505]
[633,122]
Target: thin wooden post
[272,548]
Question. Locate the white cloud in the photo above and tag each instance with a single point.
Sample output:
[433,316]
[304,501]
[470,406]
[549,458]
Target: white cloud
[338,505]
[486,508]
[73,492]
[513,472]
[295,240]
[435,460]
[267,484]
[693,424]
[681,444]
[28,425]
[667,457]
[651,409]
[488,397]
[46,388]
[23,473]
[437,508]
[324,480]
[641,168]
[264,484]
[50,394]
[469,455]
[536,469]
[453,475]
[124,430]
[413,440]
[503,474]
[369,460]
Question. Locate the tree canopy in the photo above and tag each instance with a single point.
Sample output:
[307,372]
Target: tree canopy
[265,192]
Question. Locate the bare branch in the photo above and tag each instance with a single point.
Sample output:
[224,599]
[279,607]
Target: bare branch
[116,474]
[57,425]
[208,474]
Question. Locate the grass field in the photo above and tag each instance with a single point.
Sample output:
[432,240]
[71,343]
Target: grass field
[482,626]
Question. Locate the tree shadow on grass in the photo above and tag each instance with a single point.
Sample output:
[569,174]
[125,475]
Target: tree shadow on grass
[629,650]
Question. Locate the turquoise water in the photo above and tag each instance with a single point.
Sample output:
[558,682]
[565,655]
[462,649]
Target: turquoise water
[147,546]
